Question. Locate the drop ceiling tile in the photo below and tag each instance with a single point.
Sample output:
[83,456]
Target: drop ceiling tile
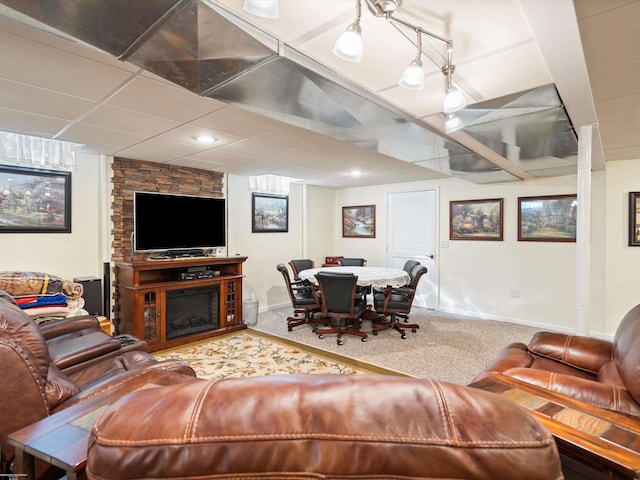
[188,133]
[65,72]
[610,38]
[616,81]
[152,97]
[30,123]
[631,152]
[587,8]
[252,147]
[19,96]
[238,122]
[218,156]
[99,140]
[126,120]
[618,108]
[527,69]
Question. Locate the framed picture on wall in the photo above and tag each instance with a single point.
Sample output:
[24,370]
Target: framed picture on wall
[270,213]
[359,221]
[34,200]
[634,219]
[548,218]
[476,219]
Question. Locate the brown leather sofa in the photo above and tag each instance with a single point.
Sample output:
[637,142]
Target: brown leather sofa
[594,371]
[34,384]
[319,427]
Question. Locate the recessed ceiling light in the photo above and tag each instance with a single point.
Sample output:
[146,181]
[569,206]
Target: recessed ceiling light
[355,173]
[206,139]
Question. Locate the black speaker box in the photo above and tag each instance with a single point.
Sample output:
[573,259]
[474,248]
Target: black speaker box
[92,294]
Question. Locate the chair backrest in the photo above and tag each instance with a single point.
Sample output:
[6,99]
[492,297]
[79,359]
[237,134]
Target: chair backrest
[416,274]
[300,297]
[301,264]
[352,262]
[338,292]
[282,268]
[409,264]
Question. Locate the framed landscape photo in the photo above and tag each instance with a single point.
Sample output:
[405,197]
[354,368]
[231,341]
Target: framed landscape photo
[476,219]
[547,218]
[359,221]
[270,213]
[34,200]
[634,219]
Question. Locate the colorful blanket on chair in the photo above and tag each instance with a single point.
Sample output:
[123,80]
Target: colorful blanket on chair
[42,300]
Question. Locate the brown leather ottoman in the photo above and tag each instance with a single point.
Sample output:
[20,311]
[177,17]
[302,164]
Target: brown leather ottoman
[319,426]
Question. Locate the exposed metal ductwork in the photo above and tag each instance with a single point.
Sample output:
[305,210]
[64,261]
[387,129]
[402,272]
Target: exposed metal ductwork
[206,49]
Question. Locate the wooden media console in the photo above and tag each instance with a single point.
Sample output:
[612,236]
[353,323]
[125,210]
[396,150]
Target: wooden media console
[171,302]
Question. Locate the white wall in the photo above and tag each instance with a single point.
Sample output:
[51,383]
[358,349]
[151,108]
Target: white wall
[67,255]
[477,277]
[622,261]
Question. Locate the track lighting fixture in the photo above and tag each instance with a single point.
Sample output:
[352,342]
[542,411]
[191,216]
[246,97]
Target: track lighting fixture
[452,124]
[349,46]
[262,8]
[413,76]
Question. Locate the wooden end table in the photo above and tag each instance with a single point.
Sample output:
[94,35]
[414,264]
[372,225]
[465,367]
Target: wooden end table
[62,439]
[598,443]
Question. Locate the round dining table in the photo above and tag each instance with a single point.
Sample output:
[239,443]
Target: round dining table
[377,277]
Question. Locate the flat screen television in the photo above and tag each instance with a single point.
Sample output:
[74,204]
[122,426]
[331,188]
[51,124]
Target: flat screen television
[171,222]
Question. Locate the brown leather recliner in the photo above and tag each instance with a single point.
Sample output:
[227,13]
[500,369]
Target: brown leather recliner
[33,387]
[594,371]
[320,427]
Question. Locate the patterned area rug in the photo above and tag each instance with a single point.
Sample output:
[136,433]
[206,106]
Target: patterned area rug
[244,355]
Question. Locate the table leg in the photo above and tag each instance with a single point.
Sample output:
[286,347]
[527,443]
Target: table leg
[25,464]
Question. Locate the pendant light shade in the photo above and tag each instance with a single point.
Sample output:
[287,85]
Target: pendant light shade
[413,77]
[453,101]
[262,8]
[453,123]
[349,46]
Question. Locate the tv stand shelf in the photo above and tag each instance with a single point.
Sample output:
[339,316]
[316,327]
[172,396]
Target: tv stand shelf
[142,289]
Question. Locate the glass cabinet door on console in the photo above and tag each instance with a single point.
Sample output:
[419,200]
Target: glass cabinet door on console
[151,325]
[233,289]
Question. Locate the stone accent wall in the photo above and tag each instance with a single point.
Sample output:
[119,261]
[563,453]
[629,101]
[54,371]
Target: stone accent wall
[131,175]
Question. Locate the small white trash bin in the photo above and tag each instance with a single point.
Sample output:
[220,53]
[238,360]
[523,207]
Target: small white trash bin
[250,311]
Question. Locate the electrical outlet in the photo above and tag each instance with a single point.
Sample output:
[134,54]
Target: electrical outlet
[515,294]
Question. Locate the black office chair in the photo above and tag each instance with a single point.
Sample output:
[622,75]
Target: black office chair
[341,304]
[352,262]
[396,302]
[304,299]
[299,265]
[408,267]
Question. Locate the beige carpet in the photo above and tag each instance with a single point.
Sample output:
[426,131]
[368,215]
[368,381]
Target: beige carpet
[445,347]
[249,353]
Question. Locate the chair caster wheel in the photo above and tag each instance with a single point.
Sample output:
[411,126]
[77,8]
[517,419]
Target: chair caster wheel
[375,333]
[290,329]
[340,342]
[413,330]
[364,339]
[320,336]
[403,336]
[315,329]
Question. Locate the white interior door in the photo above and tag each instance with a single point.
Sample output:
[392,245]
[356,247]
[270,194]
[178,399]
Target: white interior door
[412,221]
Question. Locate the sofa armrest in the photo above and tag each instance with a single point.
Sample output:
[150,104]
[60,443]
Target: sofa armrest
[68,325]
[584,353]
[513,355]
[592,392]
